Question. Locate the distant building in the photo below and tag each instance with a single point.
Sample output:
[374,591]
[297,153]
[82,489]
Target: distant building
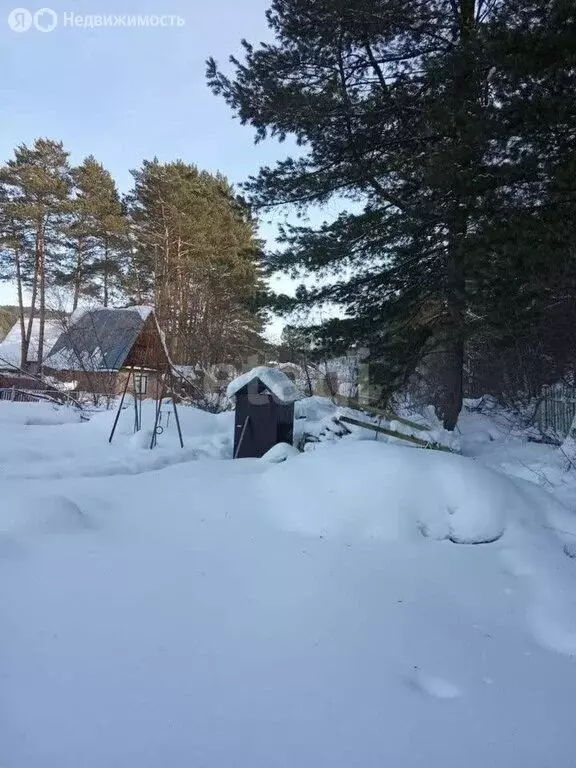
[11,347]
[100,348]
[23,378]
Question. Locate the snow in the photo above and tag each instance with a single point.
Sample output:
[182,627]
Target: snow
[70,449]
[143,311]
[363,604]
[31,414]
[279,453]
[10,348]
[10,355]
[187,371]
[275,380]
[313,408]
[424,493]
[78,314]
[434,686]
[78,360]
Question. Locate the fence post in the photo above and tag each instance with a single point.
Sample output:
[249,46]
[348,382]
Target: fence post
[557,409]
[13,394]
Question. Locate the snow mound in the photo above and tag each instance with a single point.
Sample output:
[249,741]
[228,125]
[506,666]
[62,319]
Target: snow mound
[280,452]
[50,514]
[434,686]
[552,619]
[281,386]
[141,439]
[374,489]
[314,408]
[37,414]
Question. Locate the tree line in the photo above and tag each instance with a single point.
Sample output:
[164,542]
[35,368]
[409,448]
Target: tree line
[445,131]
[181,240]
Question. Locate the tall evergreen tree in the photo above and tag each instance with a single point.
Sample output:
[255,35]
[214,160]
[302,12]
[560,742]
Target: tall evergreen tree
[97,234]
[195,256]
[13,261]
[36,187]
[532,303]
[397,105]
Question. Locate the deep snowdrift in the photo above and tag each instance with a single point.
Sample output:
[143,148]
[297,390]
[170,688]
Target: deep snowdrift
[390,492]
[73,449]
[311,613]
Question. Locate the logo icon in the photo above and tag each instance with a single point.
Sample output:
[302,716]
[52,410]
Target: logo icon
[45,20]
[20,20]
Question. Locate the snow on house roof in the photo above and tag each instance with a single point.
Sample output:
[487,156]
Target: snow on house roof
[143,311]
[99,339]
[11,347]
[275,380]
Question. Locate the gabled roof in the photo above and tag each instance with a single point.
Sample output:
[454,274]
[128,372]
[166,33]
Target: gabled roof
[10,348]
[106,339]
[272,379]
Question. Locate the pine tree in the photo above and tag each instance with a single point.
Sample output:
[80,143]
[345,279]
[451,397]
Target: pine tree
[401,107]
[36,187]
[195,256]
[97,234]
[13,262]
[534,84]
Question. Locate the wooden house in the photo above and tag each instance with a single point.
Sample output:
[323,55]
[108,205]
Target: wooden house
[100,348]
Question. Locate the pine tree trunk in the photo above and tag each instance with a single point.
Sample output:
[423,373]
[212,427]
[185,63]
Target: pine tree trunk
[77,277]
[23,340]
[452,333]
[450,401]
[42,279]
[452,376]
[33,298]
[106,273]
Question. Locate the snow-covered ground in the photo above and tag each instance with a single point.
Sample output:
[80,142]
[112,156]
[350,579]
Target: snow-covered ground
[362,604]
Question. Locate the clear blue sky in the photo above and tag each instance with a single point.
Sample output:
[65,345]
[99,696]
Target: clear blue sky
[126,94]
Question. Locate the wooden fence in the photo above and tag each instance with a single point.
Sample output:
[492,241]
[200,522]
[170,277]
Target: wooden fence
[557,410]
[23,396]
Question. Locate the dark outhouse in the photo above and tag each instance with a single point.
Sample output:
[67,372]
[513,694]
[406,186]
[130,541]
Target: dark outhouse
[265,400]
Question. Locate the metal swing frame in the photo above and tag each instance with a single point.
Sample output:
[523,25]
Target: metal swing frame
[167,382]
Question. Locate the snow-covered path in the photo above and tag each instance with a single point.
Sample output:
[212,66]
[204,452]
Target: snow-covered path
[210,614]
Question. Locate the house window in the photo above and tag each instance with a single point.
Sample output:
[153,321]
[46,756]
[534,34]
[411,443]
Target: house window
[141,383]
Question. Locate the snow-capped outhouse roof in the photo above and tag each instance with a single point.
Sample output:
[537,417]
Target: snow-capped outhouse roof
[275,380]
